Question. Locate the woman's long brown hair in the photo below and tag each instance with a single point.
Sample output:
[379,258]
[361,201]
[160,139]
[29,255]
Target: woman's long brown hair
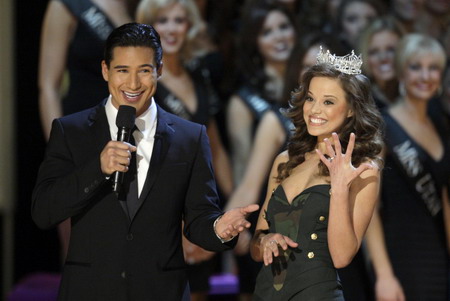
[366,121]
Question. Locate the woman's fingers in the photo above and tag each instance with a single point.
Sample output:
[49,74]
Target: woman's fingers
[290,243]
[350,146]
[364,166]
[272,246]
[330,149]
[322,158]
[337,144]
[270,250]
[335,150]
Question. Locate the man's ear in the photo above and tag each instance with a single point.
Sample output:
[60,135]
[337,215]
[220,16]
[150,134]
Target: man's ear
[160,69]
[105,70]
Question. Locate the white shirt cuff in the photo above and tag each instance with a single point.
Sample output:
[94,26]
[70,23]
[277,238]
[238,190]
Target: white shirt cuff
[221,239]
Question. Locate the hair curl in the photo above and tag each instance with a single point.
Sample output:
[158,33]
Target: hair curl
[366,121]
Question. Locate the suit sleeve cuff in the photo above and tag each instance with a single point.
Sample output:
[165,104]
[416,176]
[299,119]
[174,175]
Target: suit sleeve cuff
[218,236]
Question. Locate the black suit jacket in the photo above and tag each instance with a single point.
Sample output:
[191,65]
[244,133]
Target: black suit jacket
[111,257]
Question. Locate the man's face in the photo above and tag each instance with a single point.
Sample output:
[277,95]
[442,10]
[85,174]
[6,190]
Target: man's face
[131,77]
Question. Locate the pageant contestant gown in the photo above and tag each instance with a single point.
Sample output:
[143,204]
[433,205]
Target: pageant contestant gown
[415,239]
[307,272]
[86,84]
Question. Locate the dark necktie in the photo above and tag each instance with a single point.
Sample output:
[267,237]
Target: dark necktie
[130,186]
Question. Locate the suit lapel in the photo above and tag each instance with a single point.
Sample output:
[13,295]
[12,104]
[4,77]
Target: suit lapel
[163,138]
[99,127]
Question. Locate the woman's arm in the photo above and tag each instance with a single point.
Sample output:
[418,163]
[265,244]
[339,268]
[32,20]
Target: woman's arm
[239,128]
[350,214]
[264,245]
[262,226]
[57,31]
[269,138]
[354,192]
[221,161]
[387,286]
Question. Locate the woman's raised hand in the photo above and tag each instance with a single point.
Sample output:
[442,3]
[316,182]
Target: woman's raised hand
[342,172]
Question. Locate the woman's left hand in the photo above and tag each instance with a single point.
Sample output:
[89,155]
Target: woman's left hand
[342,172]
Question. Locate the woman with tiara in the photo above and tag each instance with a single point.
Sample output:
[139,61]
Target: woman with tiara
[321,191]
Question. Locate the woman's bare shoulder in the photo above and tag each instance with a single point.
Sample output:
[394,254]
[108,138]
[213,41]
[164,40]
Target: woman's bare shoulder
[282,157]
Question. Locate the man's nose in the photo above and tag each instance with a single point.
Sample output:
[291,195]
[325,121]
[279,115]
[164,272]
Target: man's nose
[134,82]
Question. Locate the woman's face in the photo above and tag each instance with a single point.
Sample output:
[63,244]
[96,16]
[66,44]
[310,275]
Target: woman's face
[407,10]
[422,76]
[172,25]
[381,55]
[276,38]
[438,7]
[325,109]
[355,17]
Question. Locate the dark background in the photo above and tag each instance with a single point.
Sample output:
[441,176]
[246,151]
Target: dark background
[35,250]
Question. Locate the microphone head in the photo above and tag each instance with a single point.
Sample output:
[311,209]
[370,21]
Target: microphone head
[126,117]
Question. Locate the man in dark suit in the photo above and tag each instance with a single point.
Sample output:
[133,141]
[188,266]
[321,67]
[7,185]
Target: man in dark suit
[128,247]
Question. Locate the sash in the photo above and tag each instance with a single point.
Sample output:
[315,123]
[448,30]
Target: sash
[286,122]
[256,104]
[205,100]
[406,154]
[97,22]
[89,14]
[174,105]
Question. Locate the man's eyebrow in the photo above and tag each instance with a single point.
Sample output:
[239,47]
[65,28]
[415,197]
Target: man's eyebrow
[121,67]
[125,66]
[147,65]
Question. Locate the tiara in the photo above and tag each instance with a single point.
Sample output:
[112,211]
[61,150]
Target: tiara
[349,64]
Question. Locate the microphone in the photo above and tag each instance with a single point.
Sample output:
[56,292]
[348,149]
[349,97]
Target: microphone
[125,123]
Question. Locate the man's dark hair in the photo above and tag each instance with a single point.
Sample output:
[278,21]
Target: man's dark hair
[133,35]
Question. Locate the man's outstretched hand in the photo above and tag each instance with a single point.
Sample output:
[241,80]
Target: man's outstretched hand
[234,221]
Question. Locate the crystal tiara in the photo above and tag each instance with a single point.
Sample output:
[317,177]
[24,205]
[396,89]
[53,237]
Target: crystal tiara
[349,64]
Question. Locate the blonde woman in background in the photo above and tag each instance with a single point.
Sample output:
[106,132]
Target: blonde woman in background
[409,235]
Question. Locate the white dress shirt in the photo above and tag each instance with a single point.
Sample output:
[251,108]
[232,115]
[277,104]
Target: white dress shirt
[144,137]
